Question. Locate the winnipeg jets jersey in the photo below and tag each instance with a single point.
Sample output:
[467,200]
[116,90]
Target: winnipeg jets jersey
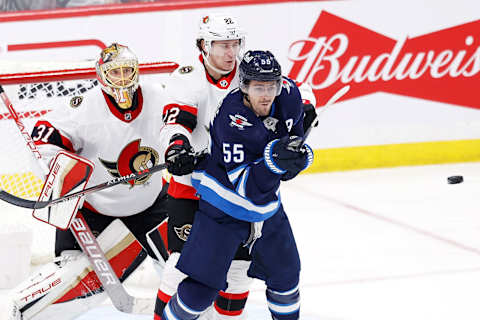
[118,143]
[234,177]
[193,97]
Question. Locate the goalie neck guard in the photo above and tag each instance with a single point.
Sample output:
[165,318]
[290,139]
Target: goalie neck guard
[117,72]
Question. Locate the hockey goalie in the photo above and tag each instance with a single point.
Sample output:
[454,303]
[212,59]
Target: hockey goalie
[110,132]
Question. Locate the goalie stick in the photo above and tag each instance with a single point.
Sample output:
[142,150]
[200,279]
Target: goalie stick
[111,284]
[29,204]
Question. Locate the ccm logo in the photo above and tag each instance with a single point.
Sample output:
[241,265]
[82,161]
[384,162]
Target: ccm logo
[90,245]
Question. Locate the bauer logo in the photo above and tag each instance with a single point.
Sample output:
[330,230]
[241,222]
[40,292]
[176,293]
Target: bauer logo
[441,66]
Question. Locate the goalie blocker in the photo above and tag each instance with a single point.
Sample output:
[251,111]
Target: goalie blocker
[69,173]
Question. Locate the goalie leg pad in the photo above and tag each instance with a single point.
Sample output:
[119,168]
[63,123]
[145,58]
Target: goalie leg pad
[157,243]
[61,289]
[150,228]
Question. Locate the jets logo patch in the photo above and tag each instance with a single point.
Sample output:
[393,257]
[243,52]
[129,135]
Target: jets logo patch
[239,121]
[76,101]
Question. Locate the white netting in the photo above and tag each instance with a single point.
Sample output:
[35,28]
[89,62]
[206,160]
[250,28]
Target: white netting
[33,97]
[21,176]
[19,173]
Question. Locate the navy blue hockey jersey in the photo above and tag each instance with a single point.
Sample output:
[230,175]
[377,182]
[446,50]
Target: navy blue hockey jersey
[234,177]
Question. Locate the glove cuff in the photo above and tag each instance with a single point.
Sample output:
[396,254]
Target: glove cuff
[179,136]
[268,159]
[310,156]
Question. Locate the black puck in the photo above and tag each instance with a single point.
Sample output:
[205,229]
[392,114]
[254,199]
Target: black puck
[455,179]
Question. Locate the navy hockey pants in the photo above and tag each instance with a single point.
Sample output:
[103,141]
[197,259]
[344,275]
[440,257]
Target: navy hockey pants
[213,241]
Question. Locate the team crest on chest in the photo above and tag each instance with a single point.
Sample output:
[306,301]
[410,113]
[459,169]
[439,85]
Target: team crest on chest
[223,83]
[271,123]
[239,121]
[133,158]
[128,116]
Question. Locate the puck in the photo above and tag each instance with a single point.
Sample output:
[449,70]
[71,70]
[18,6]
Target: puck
[455,179]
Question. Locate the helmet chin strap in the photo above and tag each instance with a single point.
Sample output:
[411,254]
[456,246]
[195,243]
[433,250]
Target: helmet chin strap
[205,58]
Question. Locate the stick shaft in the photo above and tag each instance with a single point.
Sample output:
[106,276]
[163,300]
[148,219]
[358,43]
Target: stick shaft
[333,99]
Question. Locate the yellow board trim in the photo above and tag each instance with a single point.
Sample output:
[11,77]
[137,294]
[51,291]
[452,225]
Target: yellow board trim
[394,155]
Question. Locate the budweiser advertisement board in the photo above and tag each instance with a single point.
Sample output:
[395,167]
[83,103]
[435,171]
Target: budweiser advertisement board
[413,68]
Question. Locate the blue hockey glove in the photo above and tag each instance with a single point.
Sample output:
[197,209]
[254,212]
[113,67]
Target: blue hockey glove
[287,156]
[179,156]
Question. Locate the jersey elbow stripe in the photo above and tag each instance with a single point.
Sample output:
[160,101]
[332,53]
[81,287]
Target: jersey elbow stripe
[182,107]
[183,115]
[54,138]
[231,202]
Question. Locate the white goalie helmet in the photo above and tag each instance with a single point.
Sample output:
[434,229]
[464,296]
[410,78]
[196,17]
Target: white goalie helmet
[220,27]
[117,72]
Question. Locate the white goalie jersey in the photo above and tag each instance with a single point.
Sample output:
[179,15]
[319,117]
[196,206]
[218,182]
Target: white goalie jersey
[117,142]
[193,98]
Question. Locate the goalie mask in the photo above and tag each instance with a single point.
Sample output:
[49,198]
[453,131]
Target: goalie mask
[219,28]
[117,72]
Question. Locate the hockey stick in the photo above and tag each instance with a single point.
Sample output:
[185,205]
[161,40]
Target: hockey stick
[29,204]
[82,233]
[333,99]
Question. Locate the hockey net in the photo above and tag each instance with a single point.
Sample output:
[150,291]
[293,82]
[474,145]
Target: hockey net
[35,89]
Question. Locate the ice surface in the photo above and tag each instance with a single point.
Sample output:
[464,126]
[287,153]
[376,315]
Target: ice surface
[384,244]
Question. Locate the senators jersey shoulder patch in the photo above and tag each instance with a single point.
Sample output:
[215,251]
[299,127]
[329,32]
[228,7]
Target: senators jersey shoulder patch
[185,69]
[76,101]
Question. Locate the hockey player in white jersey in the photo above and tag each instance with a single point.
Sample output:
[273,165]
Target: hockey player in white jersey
[115,126]
[195,91]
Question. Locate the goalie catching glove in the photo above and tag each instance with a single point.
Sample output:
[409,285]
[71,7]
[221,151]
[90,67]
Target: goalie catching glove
[287,156]
[69,173]
[179,156]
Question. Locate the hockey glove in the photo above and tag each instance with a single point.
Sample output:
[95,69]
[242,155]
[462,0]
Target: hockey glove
[310,117]
[306,92]
[179,156]
[287,156]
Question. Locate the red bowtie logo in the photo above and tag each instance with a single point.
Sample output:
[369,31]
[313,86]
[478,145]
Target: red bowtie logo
[441,66]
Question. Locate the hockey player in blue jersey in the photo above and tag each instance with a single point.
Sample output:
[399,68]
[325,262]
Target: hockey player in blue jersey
[256,141]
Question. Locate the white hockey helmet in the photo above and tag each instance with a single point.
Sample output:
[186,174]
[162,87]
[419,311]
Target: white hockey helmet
[219,27]
[117,72]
